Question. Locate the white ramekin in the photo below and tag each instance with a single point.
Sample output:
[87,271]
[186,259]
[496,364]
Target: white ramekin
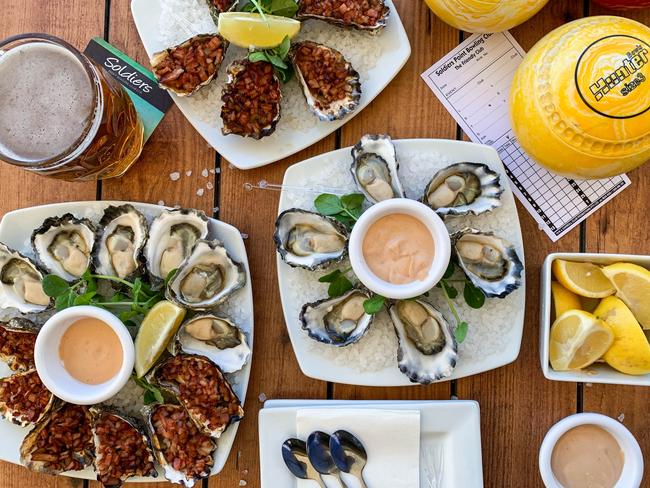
[425,215]
[632,469]
[50,367]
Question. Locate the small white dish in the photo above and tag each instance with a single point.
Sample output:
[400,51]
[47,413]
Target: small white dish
[597,372]
[632,469]
[439,234]
[51,370]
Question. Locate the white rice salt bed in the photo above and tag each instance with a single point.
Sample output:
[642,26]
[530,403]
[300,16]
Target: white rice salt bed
[182,19]
[377,349]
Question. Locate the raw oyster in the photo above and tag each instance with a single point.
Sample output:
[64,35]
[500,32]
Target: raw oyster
[370,15]
[21,283]
[308,239]
[427,350]
[121,237]
[172,236]
[200,386]
[374,168]
[219,6]
[463,188]
[491,263]
[189,66]
[17,341]
[122,449]
[185,454]
[339,321]
[206,278]
[64,245]
[329,82]
[216,338]
[251,100]
[62,441]
[24,400]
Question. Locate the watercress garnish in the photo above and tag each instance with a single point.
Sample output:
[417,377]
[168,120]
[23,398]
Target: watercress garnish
[346,209]
[277,56]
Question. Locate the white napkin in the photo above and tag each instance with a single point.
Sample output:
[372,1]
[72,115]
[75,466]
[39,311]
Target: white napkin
[391,439]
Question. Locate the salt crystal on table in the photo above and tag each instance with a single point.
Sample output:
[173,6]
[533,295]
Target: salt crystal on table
[212,171]
[200,192]
[174,176]
[204,173]
[161,202]
[262,397]
[621,418]
[218,170]
[242,483]
[188,172]
[209,185]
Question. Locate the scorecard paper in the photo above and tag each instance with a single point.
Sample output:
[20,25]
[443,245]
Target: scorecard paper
[473,83]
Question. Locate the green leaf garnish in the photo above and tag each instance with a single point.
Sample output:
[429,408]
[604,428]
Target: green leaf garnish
[328,204]
[374,304]
[330,277]
[461,332]
[450,271]
[474,297]
[352,201]
[151,393]
[55,286]
[339,286]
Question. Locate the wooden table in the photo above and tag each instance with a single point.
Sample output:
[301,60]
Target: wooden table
[518,405]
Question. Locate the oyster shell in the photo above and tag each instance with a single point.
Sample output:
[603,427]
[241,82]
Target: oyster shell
[374,168]
[122,449]
[21,283]
[172,236]
[216,338]
[24,400]
[17,341]
[339,321]
[121,237]
[329,82]
[463,188]
[206,278]
[427,350]
[490,262]
[185,454]
[191,65]
[308,239]
[64,245]
[369,15]
[218,6]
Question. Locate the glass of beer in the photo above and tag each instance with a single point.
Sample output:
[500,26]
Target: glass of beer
[61,115]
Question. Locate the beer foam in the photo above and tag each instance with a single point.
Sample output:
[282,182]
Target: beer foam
[46,102]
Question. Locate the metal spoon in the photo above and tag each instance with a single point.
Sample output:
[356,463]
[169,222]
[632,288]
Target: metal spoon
[294,453]
[349,454]
[320,457]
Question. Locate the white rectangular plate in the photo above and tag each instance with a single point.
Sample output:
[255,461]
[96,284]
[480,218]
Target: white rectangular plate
[450,436]
[246,153]
[15,231]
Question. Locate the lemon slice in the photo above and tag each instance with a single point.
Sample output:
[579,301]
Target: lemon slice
[584,279]
[578,339]
[247,29]
[156,330]
[632,285]
[630,352]
[563,299]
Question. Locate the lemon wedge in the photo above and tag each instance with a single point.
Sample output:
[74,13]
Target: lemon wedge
[156,330]
[632,285]
[584,279]
[563,299]
[578,339]
[251,30]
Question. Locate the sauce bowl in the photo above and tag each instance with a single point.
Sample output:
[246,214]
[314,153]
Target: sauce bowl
[439,234]
[632,468]
[50,367]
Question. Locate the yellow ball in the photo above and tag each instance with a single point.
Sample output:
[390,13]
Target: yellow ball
[485,15]
[580,100]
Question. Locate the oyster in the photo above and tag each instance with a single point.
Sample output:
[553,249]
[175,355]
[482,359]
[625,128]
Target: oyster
[330,85]
[219,6]
[308,239]
[370,15]
[21,283]
[463,188]
[427,349]
[23,398]
[122,449]
[374,168]
[185,454]
[61,441]
[17,341]
[339,321]
[216,338]
[121,238]
[189,66]
[206,278]
[251,100]
[491,263]
[172,236]
[64,245]
[199,385]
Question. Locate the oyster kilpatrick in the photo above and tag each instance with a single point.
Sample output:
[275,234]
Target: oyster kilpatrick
[374,168]
[330,85]
[24,400]
[369,15]
[21,283]
[17,341]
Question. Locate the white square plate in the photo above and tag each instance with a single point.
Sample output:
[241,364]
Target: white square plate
[245,153]
[15,231]
[450,439]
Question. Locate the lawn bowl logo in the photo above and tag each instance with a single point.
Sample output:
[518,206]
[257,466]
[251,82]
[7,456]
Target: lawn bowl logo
[633,62]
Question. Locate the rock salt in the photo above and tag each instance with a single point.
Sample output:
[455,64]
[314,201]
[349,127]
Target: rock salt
[175,176]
